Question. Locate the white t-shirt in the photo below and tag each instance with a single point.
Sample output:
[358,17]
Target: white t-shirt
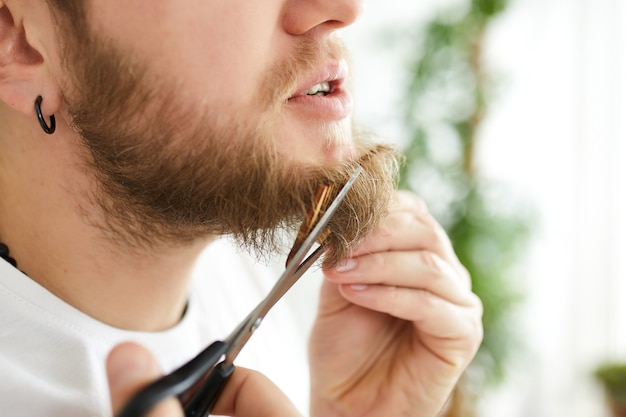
[52,356]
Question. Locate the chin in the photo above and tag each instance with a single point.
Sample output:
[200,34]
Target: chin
[328,156]
[332,143]
[341,153]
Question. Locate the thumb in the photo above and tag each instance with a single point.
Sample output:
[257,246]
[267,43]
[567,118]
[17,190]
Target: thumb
[251,394]
[130,367]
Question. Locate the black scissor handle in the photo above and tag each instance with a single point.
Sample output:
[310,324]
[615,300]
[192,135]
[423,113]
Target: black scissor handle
[203,400]
[175,383]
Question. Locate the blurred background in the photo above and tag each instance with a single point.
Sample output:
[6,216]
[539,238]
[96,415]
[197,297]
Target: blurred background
[513,118]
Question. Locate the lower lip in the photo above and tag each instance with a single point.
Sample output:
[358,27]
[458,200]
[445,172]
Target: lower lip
[332,107]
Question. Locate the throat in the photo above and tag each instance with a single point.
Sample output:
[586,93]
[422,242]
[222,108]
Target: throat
[146,294]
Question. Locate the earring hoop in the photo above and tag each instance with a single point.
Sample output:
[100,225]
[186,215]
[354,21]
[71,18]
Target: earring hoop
[42,122]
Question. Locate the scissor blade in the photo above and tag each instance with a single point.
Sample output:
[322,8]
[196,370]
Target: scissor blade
[320,202]
[317,230]
[292,273]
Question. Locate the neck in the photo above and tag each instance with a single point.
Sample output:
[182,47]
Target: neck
[46,219]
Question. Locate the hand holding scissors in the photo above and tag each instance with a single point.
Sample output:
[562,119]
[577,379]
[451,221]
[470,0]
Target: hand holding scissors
[198,383]
[249,393]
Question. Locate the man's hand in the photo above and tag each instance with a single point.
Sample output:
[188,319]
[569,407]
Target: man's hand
[247,394]
[397,322]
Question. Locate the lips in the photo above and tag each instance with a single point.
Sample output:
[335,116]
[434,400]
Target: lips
[323,95]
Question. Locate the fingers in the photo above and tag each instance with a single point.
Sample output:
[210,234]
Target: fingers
[130,367]
[251,394]
[453,330]
[407,213]
[409,250]
[407,268]
[433,314]
[409,226]
[418,269]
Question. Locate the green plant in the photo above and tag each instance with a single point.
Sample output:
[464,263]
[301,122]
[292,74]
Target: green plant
[446,101]
[612,376]
[613,379]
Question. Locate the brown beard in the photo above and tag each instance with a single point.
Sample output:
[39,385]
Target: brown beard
[169,174]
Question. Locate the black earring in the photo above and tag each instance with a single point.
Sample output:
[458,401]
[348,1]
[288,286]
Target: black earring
[42,122]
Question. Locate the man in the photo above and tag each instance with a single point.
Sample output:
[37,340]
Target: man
[135,133]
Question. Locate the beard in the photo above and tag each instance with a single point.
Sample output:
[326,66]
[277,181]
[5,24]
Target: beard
[168,173]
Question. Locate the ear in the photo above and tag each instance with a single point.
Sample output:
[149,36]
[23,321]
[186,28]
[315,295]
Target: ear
[24,73]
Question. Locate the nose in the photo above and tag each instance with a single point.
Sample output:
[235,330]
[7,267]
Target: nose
[303,16]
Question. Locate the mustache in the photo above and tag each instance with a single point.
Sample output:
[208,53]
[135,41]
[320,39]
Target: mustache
[285,75]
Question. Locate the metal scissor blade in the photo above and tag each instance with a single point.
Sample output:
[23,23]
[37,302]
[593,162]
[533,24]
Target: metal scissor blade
[295,269]
[315,233]
[201,402]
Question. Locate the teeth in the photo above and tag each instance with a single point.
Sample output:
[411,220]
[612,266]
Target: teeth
[319,90]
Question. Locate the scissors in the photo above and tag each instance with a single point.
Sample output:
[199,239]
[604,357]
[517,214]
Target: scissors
[199,383]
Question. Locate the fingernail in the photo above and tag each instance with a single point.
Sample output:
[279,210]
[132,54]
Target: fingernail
[359,287]
[347,265]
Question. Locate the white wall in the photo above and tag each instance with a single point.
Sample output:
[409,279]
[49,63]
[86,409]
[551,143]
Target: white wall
[557,134]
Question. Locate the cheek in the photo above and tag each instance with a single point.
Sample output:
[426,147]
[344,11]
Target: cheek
[214,50]
[217,76]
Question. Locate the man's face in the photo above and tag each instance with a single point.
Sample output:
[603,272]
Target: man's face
[244,57]
[198,121]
